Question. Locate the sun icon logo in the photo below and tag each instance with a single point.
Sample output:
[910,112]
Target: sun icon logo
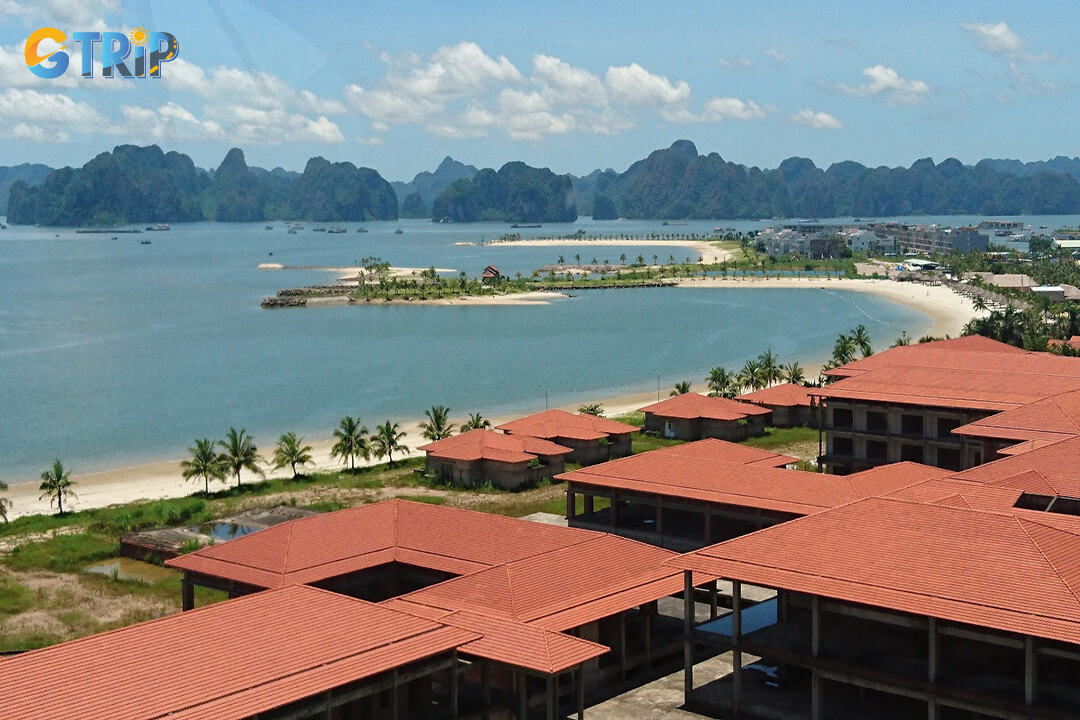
[138,36]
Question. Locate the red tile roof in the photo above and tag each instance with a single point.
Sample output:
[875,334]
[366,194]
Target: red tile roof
[992,569]
[724,451]
[490,445]
[691,406]
[1053,418]
[1049,470]
[324,546]
[552,424]
[785,395]
[226,661]
[1073,342]
[682,474]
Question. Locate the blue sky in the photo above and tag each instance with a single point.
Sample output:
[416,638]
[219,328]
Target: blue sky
[571,86]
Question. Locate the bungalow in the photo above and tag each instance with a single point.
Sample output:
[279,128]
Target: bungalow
[692,416]
[491,274]
[477,457]
[791,404]
[592,439]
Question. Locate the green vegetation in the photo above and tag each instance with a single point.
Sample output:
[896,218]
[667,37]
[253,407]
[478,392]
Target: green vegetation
[14,598]
[291,451]
[516,193]
[351,441]
[603,208]
[476,421]
[387,440]
[63,553]
[205,464]
[5,504]
[56,484]
[240,453]
[776,439]
[591,409]
[681,388]
[438,425]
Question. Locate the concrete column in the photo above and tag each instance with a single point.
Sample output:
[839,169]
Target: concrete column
[649,612]
[622,646]
[688,636]
[571,503]
[613,513]
[187,593]
[523,695]
[1031,672]
[714,601]
[659,522]
[454,683]
[581,692]
[552,697]
[816,692]
[933,712]
[736,653]
[815,624]
[395,710]
[485,689]
[588,501]
[933,651]
[708,525]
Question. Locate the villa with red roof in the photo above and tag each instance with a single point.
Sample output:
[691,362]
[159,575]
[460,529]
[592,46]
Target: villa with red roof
[592,439]
[907,402]
[477,457]
[791,404]
[692,416]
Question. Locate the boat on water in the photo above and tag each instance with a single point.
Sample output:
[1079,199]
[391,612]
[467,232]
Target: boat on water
[268,227]
[526,225]
[318,229]
[361,229]
[144,242]
[336,230]
[292,231]
[675,222]
[398,231]
[160,227]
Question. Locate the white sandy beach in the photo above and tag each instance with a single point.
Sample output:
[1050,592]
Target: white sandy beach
[947,310]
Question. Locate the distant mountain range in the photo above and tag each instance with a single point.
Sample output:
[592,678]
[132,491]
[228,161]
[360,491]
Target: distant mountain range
[133,184]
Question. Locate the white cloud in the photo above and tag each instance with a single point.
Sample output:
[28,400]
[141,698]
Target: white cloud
[375,140]
[45,117]
[887,83]
[635,86]
[995,38]
[14,73]
[816,120]
[720,108]
[565,84]
[380,126]
[775,54]
[169,122]
[739,63]
[75,14]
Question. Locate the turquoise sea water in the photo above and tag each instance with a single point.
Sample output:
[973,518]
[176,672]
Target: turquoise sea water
[113,352]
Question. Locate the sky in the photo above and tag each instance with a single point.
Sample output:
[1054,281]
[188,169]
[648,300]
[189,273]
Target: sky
[573,86]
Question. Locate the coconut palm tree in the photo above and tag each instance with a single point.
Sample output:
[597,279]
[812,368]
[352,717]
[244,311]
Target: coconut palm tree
[844,349]
[752,376]
[902,340]
[351,441]
[862,340]
[476,421]
[438,425]
[5,504]
[240,452]
[591,409]
[722,383]
[681,388]
[291,451]
[979,303]
[56,485]
[793,373]
[205,463]
[770,368]
[387,440]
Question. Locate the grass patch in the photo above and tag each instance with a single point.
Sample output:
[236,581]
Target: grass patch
[640,442]
[429,499]
[637,419]
[63,553]
[782,437]
[14,598]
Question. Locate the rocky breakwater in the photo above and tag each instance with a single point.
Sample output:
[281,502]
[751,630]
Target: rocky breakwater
[298,297]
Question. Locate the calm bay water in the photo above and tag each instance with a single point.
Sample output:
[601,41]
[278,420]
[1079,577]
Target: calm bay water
[113,352]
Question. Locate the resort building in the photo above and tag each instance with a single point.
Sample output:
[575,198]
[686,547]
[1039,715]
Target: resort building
[692,416]
[477,457]
[688,496]
[930,239]
[592,439]
[791,404]
[905,403]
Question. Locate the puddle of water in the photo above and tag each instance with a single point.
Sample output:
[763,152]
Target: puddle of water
[128,569]
[223,531]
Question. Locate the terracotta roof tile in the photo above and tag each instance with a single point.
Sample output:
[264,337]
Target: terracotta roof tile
[1052,418]
[490,445]
[785,395]
[1047,470]
[552,424]
[695,405]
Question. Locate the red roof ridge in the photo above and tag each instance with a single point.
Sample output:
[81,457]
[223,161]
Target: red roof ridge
[1021,523]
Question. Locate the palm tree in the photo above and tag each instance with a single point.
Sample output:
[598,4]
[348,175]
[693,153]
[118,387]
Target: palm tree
[205,463]
[438,425]
[793,373]
[752,375]
[476,421]
[56,485]
[902,340]
[844,350]
[387,441]
[681,388]
[979,303]
[240,453]
[591,409]
[722,383]
[291,451]
[5,504]
[862,340]
[351,441]
[770,368]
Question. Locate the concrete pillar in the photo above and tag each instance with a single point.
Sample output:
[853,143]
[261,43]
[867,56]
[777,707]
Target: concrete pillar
[613,513]
[523,695]
[395,709]
[571,503]
[816,692]
[815,624]
[714,601]
[485,689]
[688,636]
[622,646]
[647,624]
[454,683]
[588,502]
[708,525]
[187,593]
[933,651]
[659,522]
[581,692]
[736,653]
[1031,672]
[552,698]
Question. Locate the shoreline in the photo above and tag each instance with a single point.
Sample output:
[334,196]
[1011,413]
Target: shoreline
[710,254]
[947,311]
